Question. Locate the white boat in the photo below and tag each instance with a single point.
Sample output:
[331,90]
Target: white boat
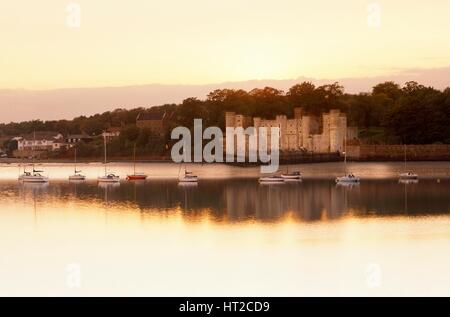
[34,177]
[293,176]
[188,177]
[111,177]
[409,175]
[77,176]
[271,179]
[348,178]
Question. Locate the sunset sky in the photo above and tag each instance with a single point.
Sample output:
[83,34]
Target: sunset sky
[209,41]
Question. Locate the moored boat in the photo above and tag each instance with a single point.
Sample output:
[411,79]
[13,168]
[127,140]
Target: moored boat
[350,179]
[77,176]
[271,179]
[293,176]
[111,177]
[34,177]
[408,175]
[136,176]
[188,177]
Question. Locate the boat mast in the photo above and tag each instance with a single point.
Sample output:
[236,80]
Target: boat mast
[404,149]
[345,154]
[75,159]
[134,159]
[32,149]
[104,146]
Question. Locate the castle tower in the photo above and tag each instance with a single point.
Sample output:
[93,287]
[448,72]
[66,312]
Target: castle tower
[230,119]
[282,123]
[325,140]
[343,131]
[306,123]
[337,131]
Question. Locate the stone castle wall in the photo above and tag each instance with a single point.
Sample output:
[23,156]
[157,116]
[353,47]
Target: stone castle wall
[303,132]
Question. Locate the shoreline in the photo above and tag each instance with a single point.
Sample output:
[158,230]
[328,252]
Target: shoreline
[169,161]
[168,170]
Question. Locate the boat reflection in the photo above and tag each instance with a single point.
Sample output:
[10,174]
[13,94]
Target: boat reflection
[108,185]
[246,199]
[408,181]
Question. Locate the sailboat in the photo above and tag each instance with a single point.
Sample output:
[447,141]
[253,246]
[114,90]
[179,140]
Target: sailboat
[111,177]
[348,178]
[292,176]
[35,176]
[407,175]
[274,179]
[136,176]
[76,176]
[188,177]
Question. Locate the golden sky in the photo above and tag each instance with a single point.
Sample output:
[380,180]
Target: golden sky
[208,41]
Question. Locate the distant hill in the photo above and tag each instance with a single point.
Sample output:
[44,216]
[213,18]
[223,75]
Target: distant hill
[21,105]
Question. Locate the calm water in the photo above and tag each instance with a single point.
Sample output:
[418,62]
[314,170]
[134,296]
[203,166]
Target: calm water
[226,236]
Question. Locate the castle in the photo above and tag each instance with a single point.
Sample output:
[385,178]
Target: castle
[303,132]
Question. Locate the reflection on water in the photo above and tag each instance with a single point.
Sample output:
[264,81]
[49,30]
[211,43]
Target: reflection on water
[225,237]
[245,199]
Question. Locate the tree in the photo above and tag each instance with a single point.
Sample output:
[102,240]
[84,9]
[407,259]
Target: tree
[388,88]
[129,133]
[303,95]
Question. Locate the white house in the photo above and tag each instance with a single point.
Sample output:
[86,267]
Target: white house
[42,141]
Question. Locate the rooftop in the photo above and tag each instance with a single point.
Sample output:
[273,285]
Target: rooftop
[41,135]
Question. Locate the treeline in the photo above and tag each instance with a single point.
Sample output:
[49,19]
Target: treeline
[412,114]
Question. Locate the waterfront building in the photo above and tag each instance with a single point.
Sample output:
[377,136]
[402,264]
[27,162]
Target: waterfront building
[111,132]
[152,121]
[324,134]
[36,144]
[39,141]
[75,138]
